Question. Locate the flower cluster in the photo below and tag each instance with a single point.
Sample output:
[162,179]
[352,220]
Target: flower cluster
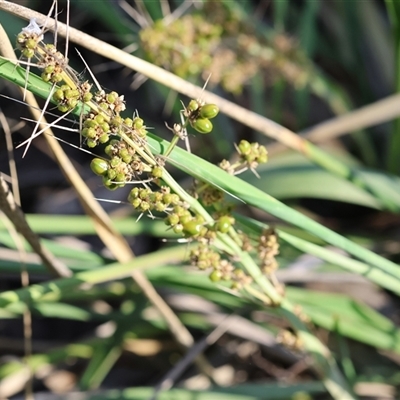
[250,156]
[128,159]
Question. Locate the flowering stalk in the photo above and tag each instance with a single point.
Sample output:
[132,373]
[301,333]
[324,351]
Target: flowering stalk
[128,158]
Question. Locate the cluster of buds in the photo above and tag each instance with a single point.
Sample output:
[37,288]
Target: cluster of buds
[250,156]
[147,200]
[127,156]
[183,46]
[208,195]
[198,114]
[268,248]
[204,258]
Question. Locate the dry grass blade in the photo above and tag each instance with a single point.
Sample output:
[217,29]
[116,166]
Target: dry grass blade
[373,114]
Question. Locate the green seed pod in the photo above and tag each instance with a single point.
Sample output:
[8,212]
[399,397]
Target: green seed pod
[202,125]
[209,111]
[224,223]
[215,276]
[70,93]
[144,193]
[244,147]
[180,210]
[99,166]
[133,194]
[31,44]
[117,121]
[262,155]
[192,228]
[127,159]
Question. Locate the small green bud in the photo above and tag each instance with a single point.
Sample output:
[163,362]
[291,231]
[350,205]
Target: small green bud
[63,108]
[160,207]
[244,147]
[111,173]
[193,106]
[136,203]
[49,69]
[72,103]
[58,95]
[90,133]
[120,177]
[115,161]
[138,123]
[178,228]
[30,44]
[215,276]
[172,219]
[99,118]
[128,122]
[104,138]
[91,143]
[99,166]
[87,97]
[28,53]
[157,172]
[111,97]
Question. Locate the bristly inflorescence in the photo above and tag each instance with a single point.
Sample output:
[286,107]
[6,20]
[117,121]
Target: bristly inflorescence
[128,160]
